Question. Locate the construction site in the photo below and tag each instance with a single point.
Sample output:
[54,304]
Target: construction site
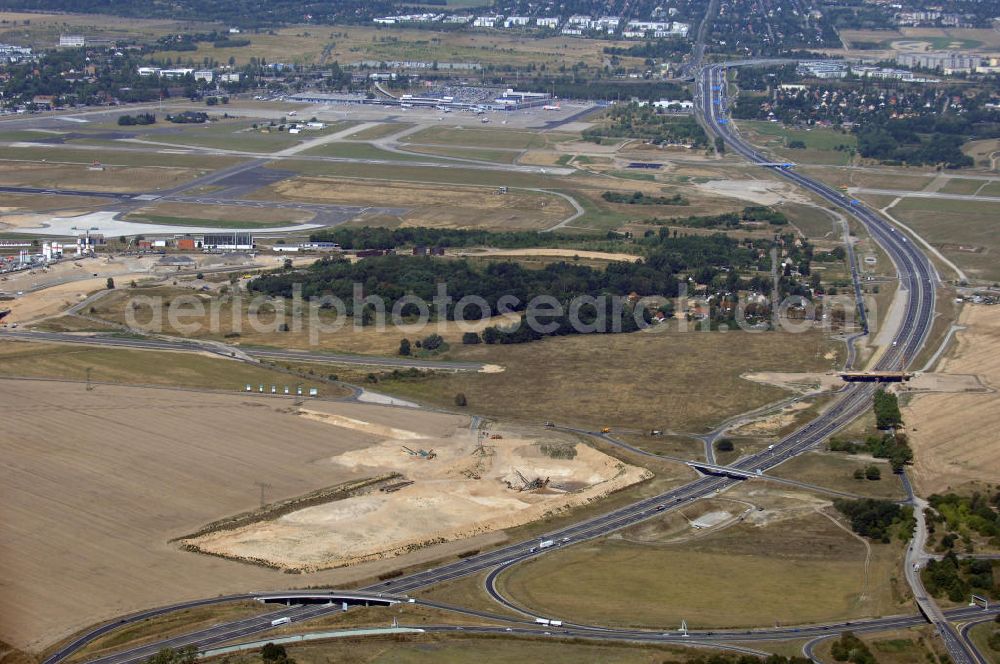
[445,486]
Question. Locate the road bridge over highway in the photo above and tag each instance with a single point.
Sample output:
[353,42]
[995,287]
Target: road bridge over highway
[724,471]
[875,376]
[331,597]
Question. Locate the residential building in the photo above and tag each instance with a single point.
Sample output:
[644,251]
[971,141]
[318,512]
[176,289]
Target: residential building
[488,21]
[947,62]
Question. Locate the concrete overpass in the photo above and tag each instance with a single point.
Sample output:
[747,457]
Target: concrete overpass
[876,376]
[350,598]
[725,471]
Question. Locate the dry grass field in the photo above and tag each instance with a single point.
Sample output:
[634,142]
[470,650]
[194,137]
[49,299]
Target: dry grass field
[112,178]
[673,381]
[99,481]
[43,30]
[462,152]
[138,367]
[306,44]
[486,138]
[17,209]
[953,435]
[980,635]
[380,130]
[435,649]
[214,213]
[983,152]
[350,339]
[836,471]
[161,627]
[788,563]
[436,206]
[963,230]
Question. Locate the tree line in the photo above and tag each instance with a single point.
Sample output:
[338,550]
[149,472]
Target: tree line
[643,121]
[391,277]
[639,198]
[886,406]
[373,237]
[877,519]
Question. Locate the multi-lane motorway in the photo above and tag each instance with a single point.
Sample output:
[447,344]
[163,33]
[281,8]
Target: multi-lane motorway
[917,279]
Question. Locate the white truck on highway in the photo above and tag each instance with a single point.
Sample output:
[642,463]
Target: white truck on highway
[544,544]
[284,620]
[546,621]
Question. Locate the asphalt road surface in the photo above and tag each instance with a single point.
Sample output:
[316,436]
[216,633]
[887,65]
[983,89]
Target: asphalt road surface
[915,275]
[147,343]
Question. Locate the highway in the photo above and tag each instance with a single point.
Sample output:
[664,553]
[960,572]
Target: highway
[916,275]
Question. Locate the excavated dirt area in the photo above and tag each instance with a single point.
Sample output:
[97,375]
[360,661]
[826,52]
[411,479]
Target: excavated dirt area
[954,435]
[474,484]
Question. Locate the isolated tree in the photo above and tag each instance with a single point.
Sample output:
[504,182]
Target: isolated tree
[859,473]
[471,338]
[460,400]
[111,283]
[433,341]
[404,347]
[724,445]
[200,275]
[490,335]
[873,473]
[273,653]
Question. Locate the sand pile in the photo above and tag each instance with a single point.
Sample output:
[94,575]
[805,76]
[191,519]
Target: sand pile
[473,484]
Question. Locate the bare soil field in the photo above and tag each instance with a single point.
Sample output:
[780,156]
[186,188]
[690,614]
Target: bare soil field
[132,367]
[112,178]
[451,206]
[804,383]
[461,492]
[67,283]
[88,469]
[98,482]
[762,192]
[954,435]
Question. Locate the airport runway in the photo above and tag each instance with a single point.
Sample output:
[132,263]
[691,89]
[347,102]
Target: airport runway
[915,275]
